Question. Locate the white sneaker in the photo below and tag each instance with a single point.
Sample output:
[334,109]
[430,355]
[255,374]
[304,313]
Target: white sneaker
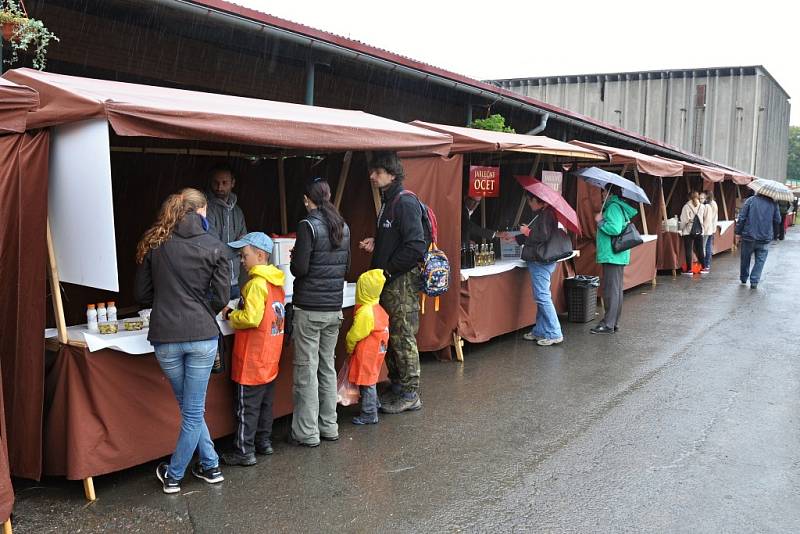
[548,342]
[527,336]
[689,273]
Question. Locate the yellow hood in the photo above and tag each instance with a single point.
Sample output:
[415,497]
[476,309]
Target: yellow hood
[270,273]
[369,287]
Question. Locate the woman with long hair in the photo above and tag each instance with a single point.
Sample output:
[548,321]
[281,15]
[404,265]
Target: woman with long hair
[691,225]
[320,261]
[180,266]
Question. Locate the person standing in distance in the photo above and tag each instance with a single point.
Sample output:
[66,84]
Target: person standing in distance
[226,219]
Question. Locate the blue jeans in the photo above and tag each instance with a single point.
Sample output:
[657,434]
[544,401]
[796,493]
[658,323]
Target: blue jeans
[187,366]
[547,325]
[709,250]
[748,248]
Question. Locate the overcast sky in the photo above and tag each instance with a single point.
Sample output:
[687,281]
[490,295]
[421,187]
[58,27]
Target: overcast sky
[487,40]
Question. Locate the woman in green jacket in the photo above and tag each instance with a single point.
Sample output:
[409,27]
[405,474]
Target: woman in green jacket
[610,223]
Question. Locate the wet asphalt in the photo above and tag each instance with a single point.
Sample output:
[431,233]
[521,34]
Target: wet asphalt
[687,420]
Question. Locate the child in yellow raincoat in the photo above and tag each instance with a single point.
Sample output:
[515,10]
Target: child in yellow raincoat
[367,341]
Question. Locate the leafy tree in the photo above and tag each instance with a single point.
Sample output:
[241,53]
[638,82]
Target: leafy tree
[495,123]
[793,168]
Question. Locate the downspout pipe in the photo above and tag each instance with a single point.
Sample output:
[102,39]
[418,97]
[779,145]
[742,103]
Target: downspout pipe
[542,124]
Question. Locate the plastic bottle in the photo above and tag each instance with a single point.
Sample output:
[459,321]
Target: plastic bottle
[111,310]
[102,314]
[91,318]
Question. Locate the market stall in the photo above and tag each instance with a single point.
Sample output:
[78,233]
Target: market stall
[648,172]
[15,101]
[81,430]
[497,299]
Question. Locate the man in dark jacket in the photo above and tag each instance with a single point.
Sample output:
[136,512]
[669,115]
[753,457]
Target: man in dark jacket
[754,228]
[397,249]
[226,219]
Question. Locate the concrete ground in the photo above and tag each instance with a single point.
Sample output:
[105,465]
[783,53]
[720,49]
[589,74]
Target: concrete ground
[688,420]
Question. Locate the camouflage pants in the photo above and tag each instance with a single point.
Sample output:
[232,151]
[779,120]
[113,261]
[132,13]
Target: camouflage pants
[400,299]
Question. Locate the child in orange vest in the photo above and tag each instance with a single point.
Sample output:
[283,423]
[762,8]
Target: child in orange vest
[366,342]
[256,349]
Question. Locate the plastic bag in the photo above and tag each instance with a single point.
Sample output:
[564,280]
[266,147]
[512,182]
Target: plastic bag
[346,392]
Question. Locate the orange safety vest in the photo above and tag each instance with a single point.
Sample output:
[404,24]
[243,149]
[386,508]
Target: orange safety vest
[257,351]
[367,358]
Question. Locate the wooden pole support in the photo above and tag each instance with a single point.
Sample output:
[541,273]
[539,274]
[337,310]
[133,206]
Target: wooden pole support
[459,344]
[7,527]
[348,157]
[88,489]
[641,205]
[522,201]
[282,193]
[483,212]
[55,287]
[671,191]
[724,201]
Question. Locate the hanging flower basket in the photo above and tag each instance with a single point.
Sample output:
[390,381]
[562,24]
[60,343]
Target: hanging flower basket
[24,33]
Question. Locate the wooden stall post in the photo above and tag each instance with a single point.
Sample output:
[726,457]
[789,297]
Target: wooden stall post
[459,344]
[523,199]
[7,526]
[671,191]
[88,489]
[483,212]
[724,201]
[55,287]
[641,205]
[282,193]
[348,157]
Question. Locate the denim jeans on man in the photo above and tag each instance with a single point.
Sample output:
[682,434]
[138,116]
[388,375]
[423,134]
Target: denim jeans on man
[187,366]
[750,247]
[547,325]
[709,251]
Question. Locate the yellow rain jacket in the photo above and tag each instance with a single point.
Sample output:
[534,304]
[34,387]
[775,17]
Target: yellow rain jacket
[368,338]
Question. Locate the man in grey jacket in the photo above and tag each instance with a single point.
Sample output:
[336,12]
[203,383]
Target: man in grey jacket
[225,218]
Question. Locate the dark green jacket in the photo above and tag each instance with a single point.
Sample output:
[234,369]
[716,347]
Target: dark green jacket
[616,215]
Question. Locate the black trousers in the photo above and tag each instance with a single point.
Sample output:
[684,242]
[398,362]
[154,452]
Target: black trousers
[254,416]
[696,242]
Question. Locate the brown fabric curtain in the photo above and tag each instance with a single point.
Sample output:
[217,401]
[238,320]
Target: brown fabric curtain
[437,181]
[6,489]
[23,235]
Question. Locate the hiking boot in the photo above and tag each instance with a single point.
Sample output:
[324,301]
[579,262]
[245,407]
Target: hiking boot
[365,419]
[547,342]
[390,394]
[169,484]
[407,402]
[264,449]
[212,475]
[237,458]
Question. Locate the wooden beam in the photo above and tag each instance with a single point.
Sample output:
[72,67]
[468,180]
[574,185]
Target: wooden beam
[483,213]
[724,201]
[641,205]
[282,193]
[55,288]
[459,344]
[663,200]
[671,191]
[88,489]
[348,157]
[7,527]
[522,201]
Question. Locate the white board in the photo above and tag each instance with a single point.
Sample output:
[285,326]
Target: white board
[80,205]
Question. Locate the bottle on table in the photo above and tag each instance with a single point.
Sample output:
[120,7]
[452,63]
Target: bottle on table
[91,318]
[491,253]
[111,311]
[102,313]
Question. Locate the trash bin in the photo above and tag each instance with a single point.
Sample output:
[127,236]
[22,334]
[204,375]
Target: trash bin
[581,293]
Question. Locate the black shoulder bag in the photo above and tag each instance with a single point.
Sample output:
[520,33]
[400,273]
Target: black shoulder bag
[219,358]
[558,247]
[628,239]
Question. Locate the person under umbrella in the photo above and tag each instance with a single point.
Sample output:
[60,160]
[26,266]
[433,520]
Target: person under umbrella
[547,206]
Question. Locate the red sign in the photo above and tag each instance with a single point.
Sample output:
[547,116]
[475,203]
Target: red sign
[484,181]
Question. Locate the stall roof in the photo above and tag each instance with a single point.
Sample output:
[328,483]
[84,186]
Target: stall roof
[150,111]
[712,174]
[645,164]
[15,101]
[475,140]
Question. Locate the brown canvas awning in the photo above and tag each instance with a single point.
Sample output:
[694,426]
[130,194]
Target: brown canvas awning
[474,140]
[150,111]
[712,174]
[15,101]
[645,164]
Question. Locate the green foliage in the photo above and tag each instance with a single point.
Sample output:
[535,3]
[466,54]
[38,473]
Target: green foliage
[29,35]
[793,168]
[495,123]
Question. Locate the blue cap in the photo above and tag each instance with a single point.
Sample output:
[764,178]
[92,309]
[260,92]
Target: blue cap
[258,240]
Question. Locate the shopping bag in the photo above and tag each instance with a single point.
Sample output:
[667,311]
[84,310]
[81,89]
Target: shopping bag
[346,392]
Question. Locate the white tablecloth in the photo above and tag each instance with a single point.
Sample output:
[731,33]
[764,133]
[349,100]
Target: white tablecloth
[646,238]
[136,342]
[724,225]
[501,266]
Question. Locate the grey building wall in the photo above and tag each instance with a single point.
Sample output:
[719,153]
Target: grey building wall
[743,120]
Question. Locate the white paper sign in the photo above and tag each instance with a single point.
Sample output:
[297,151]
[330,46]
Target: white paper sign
[553,179]
[80,205]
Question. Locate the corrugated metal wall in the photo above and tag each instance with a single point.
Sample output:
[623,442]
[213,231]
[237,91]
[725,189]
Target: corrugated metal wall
[742,121]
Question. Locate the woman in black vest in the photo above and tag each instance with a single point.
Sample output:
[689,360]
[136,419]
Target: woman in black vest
[320,260]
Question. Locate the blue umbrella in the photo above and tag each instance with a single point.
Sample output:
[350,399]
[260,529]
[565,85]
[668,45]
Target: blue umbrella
[600,178]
